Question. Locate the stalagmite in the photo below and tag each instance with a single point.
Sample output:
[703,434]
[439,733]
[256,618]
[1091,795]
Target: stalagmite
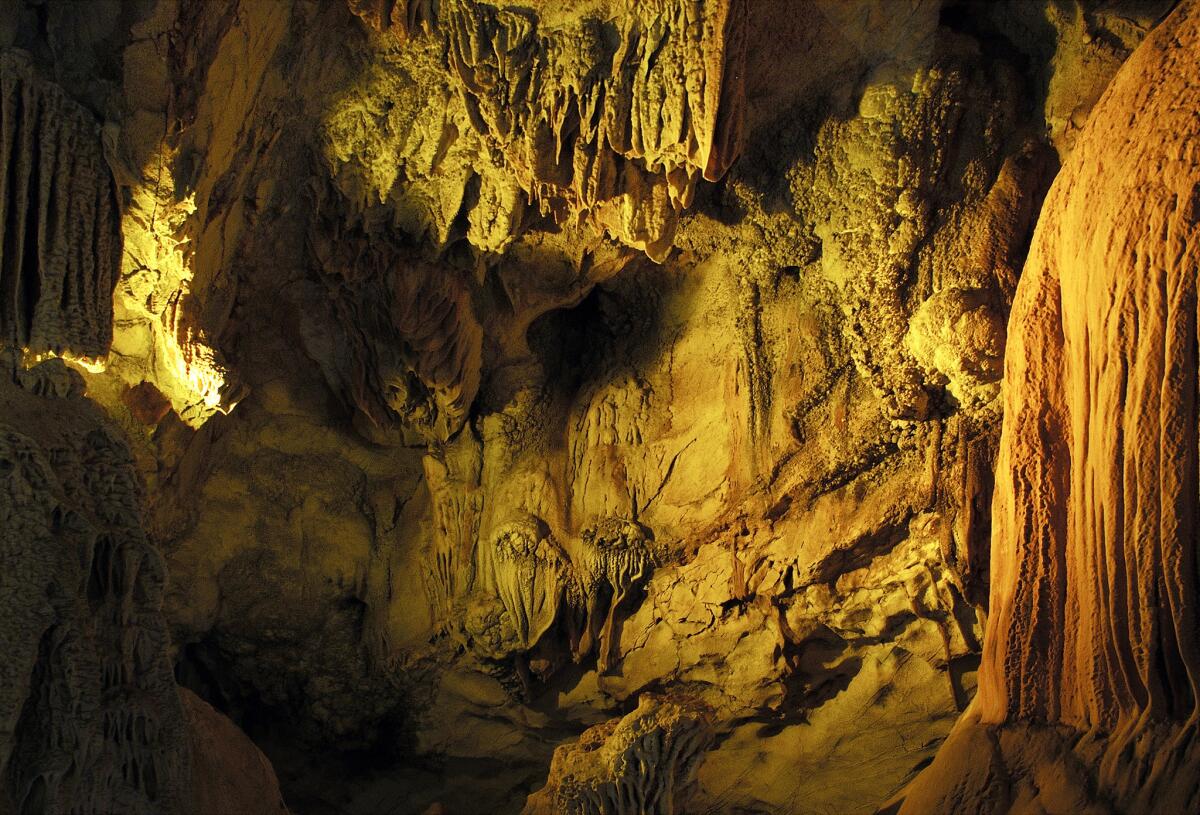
[643,763]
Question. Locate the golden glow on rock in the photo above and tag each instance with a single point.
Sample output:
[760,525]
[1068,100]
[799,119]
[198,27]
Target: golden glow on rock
[193,368]
[155,339]
[499,112]
[93,365]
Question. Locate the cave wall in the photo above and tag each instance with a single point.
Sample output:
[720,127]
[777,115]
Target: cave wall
[494,368]
[91,716]
[793,415]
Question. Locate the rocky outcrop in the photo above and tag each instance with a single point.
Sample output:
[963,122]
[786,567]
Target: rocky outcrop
[229,774]
[60,245]
[1089,663]
[644,762]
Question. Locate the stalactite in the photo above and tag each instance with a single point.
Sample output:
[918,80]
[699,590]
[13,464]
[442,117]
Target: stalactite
[529,574]
[60,239]
[619,136]
[617,560]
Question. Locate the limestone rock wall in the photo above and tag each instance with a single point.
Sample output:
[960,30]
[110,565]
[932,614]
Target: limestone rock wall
[643,491]
[758,472]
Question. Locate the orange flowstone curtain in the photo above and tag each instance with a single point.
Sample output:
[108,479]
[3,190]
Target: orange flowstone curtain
[1094,569]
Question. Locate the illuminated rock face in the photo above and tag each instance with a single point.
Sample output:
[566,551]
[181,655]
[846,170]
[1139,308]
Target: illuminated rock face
[614,116]
[1093,580]
[587,404]
[1095,481]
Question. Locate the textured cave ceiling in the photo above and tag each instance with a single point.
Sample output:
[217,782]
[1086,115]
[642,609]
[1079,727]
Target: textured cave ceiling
[599,406]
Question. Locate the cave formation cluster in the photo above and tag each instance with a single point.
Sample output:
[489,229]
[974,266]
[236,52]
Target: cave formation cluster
[599,406]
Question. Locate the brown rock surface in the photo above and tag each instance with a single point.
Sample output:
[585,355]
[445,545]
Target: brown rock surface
[229,774]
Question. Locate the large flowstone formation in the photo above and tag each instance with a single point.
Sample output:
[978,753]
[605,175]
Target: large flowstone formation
[60,243]
[1088,689]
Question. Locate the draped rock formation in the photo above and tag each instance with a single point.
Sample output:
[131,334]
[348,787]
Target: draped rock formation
[614,120]
[413,359]
[60,243]
[1088,690]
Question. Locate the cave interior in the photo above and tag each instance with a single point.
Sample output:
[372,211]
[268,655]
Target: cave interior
[599,407]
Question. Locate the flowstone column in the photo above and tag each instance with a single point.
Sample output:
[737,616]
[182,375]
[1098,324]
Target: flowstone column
[1088,691]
